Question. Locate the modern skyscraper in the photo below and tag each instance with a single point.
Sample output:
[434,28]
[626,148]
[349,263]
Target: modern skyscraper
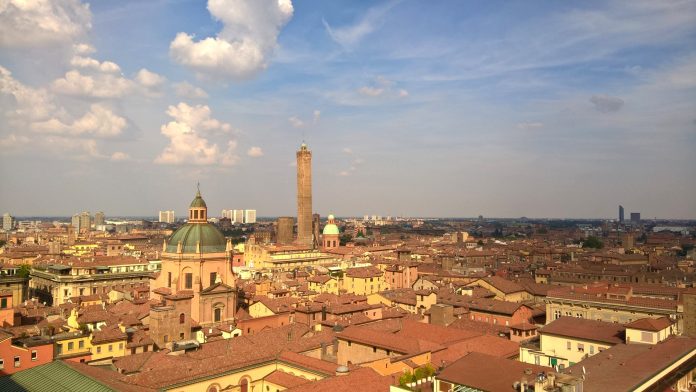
[284,230]
[85,221]
[7,222]
[304,196]
[621,214]
[167,216]
[635,217]
[99,219]
[238,216]
[249,216]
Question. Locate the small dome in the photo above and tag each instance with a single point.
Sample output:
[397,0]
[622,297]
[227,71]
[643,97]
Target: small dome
[331,229]
[198,201]
[342,369]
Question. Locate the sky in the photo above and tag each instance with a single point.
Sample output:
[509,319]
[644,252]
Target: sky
[411,108]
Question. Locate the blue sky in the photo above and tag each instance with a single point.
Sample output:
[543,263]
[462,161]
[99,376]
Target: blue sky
[439,108]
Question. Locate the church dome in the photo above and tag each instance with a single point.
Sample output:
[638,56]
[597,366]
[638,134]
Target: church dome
[192,235]
[331,228]
[197,235]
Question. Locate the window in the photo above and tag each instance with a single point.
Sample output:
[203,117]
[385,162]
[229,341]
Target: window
[646,337]
[374,349]
[537,361]
[182,318]
[166,338]
[3,303]
[189,280]
[59,347]
[591,350]
[81,344]
[568,345]
[218,315]
[169,279]
[71,346]
[2,363]
[213,275]
[34,355]
[111,347]
[98,349]
[581,348]
[17,363]
[181,336]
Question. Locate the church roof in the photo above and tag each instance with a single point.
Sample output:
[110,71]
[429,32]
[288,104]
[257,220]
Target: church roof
[190,235]
[198,201]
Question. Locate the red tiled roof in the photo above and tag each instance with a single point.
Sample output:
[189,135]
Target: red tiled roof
[579,328]
[650,324]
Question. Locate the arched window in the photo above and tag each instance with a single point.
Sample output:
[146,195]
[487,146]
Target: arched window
[218,315]
[182,317]
[245,385]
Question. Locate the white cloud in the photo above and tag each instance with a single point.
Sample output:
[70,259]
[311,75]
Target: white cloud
[316,115]
[36,23]
[186,143]
[347,150]
[187,90]
[382,86]
[242,47]
[83,48]
[149,79]
[530,125]
[88,62]
[30,104]
[120,156]
[296,122]
[606,103]
[371,91]
[255,152]
[100,121]
[350,35]
[102,85]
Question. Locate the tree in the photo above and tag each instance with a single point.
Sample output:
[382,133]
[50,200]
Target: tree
[480,243]
[2,243]
[405,379]
[592,242]
[345,238]
[23,271]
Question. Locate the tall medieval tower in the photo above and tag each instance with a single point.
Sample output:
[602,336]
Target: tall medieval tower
[304,196]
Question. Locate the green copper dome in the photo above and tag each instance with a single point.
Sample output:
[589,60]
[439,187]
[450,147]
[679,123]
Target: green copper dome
[331,228]
[210,238]
[198,201]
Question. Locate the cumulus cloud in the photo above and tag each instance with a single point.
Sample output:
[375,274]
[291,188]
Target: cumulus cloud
[149,79]
[530,125]
[83,48]
[296,122]
[187,90]
[39,23]
[30,104]
[99,121]
[255,152]
[241,49]
[606,103]
[88,62]
[100,85]
[187,144]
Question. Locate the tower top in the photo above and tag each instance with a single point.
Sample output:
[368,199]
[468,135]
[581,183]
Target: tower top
[303,147]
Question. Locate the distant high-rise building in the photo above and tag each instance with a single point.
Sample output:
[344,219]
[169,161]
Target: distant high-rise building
[304,196]
[238,216]
[85,221]
[167,216]
[229,214]
[284,230]
[75,222]
[7,222]
[635,217]
[249,216]
[99,219]
[621,214]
